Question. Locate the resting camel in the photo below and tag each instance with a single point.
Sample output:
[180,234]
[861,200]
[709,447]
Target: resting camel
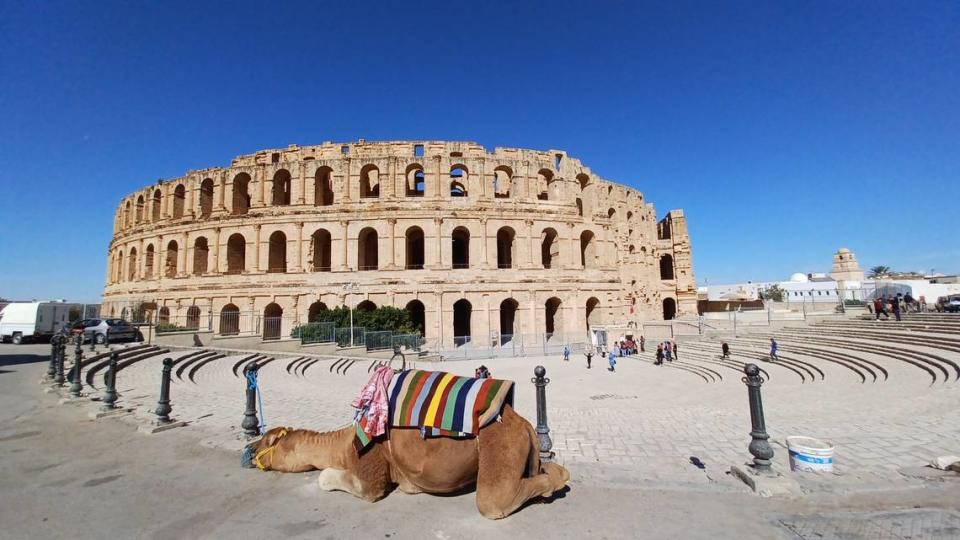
[503,461]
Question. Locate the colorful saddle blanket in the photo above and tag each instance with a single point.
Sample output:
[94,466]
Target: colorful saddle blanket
[442,404]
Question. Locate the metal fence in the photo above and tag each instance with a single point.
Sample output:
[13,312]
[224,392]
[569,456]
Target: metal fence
[316,332]
[508,346]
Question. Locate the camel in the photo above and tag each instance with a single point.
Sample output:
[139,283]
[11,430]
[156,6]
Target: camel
[503,462]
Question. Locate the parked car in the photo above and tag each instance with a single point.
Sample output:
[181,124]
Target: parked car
[948,304]
[23,321]
[100,329]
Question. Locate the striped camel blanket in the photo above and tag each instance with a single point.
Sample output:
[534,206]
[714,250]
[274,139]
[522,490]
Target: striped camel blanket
[442,404]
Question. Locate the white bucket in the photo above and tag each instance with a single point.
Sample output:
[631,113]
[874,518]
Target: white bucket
[809,454]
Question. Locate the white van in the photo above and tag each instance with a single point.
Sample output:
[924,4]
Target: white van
[21,321]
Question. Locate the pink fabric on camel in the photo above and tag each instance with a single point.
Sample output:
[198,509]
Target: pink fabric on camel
[373,403]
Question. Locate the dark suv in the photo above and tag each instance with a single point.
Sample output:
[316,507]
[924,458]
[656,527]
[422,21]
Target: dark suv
[100,329]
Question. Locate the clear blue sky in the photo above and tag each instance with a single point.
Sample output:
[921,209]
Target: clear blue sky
[784,129]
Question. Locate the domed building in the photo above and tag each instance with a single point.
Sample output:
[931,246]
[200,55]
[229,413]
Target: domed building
[473,243]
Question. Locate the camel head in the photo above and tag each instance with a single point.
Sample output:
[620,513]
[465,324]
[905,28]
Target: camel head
[269,439]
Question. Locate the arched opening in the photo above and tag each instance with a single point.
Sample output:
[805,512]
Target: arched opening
[549,248]
[669,309]
[126,215]
[281,188]
[323,187]
[200,253]
[148,258]
[236,254]
[592,312]
[414,248]
[163,315]
[552,315]
[367,249]
[629,215]
[320,248]
[458,181]
[313,312]
[193,317]
[139,217]
[462,311]
[206,197]
[666,267]
[132,271]
[120,269]
[277,256]
[369,182]
[272,320]
[611,213]
[241,194]
[508,316]
[179,197]
[502,182]
[230,320]
[416,183]
[579,207]
[366,306]
[583,180]
[170,266]
[155,208]
[461,247]
[544,181]
[418,316]
[505,238]
[588,252]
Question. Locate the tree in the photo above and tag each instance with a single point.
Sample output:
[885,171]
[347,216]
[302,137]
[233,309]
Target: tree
[879,272]
[774,293]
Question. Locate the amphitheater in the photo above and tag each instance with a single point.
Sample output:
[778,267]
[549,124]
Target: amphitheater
[473,243]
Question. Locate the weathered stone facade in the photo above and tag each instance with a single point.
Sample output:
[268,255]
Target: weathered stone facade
[513,241]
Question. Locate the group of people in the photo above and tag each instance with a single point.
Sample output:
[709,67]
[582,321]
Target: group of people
[896,305]
[666,350]
[628,346]
[774,350]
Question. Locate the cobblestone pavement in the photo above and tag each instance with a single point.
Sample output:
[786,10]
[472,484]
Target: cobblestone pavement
[912,524]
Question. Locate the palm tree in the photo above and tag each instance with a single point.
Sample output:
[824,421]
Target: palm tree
[879,272]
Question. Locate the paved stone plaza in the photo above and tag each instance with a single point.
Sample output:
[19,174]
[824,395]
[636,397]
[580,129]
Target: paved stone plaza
[889,404]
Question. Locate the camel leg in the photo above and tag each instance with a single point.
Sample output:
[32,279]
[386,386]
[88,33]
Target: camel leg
[505,449]
[341,480]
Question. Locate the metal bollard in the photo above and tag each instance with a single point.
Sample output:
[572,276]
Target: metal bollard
[110,396]
[163,405]
[54,351]
[93,341]
[543,432]
[76,386]
[250,423]
[759,447]
[61,356]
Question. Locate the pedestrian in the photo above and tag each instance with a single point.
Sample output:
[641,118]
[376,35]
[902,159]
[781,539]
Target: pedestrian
[613,362]
[659,361]
[668,351]
[589,358]
[895,304]
[773,350]
[643,344]
[726,350]
[566,353]
[676,351]
[879,307]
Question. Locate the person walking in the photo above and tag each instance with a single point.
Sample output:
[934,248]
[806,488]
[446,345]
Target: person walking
[613,362]
[668,351]
[589,358]
[566,353]
[879,306]
[676,351]
[659,360]
[643,344]
[726,350]
[895,304]
[773,350]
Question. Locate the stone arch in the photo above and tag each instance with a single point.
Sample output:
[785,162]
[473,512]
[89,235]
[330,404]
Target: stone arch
[201,251]
[552,315]
[272,321]
[458,181]
[148,261]
[592,312]
[127,215]
[418,316]
[206,197]
[241,194]
[588,250]
[155,205]
[583,180]
[132,271]
[503,182]
[544,184]
[414,248]
[462,327]
[612,214]
[236,254]
[179,197]
[415,184]
[366,305]
[229,320]
[323,187]
[163,315]
[367,249]
[320,248]
[579,207]
[506,247]
[314,311]
[460,239]
[277,253]
[369,182]
[549,248]
[666,266]
[508,319]
[139,210]
[170,265]
[669,309]
[629,215]
[119,267]
[193,317]
[281,188]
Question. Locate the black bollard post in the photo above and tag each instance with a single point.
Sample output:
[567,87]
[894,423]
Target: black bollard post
[110,396]
[61,355]
[77,385]
[54,351]
[163,406]
[543,432]
[93,340]
[250,423]
[759,447]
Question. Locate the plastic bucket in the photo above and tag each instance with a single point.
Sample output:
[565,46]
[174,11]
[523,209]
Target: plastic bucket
[809,454]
